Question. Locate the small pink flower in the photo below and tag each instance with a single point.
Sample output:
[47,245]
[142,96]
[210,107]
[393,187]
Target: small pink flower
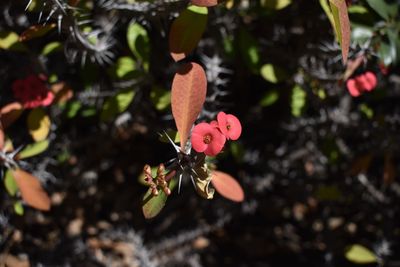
[208,139]
[361,83]
[229,125]
[32,92]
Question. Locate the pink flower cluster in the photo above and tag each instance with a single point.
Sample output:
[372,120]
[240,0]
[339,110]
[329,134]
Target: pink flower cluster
[361,83]
[210,137]
[32,92]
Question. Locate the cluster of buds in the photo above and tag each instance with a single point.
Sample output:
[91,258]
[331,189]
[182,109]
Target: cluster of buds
[210,138]
[160,181]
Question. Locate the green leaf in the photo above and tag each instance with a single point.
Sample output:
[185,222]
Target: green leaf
[73,109]
[186,31]
[152,205]
[10,184]
[249,49]
[298,100]
[387,53]
[272,73]
[275,4]
[139,43]
[34,149]
[18,208]
[89,112]
[160,97]
[51,48]
[360,255]
[124,68]
[10,41]
[269,98]
[117,104]
[384,9]
[361,34]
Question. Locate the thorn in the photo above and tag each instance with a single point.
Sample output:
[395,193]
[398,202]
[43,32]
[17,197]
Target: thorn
[177,149]
[180,182]
[27,6]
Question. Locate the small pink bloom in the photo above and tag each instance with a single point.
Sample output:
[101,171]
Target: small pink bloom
[229,125]
[352,87]
[361,83]
[371,83]
[32,92]
[208,139]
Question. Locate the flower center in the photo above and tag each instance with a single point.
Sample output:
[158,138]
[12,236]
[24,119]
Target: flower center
[207,139]
[228,127]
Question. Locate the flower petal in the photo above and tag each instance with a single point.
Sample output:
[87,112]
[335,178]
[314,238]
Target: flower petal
[370,77]
[217,143]
[235,129]
[352,87]
[198,133]
[222,123]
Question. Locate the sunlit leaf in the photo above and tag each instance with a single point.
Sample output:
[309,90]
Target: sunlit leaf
[124,68]
[36,31]
[160,97]
[227,186]
[206,3]
[186,31]
[10,113]
[342,25]
[139,43]
[34,149]
[31,190]
[188,94]
[298,100]
[18,208]
[152,205]
[273,73]
[38,124]
[117,104]
[275,4]
[51,48]
[360,255]
[10,184]
[10,41]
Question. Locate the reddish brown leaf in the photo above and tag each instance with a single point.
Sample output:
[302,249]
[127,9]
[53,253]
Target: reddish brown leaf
[62,92]
[206,3]
[31,190]
[188,94]
[35,31]
[186,31]
[342,25]
[10,113]
[227,186]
